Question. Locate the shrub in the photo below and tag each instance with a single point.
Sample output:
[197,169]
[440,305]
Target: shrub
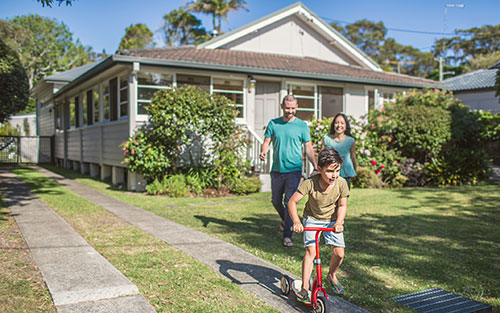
[173,186]
[246,185]
[182,120]
[366,178]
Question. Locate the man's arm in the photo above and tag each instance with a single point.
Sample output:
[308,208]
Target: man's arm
[353,157]
[310,154]
[265,148]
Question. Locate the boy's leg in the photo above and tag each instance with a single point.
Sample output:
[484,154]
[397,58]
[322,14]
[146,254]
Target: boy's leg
[277,190]
[307,267]
[335,262]
[291,184]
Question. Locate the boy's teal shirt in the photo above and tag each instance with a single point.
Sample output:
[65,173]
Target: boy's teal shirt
[287,139]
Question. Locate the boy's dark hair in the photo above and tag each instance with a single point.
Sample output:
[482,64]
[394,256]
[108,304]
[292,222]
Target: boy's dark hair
[329,156]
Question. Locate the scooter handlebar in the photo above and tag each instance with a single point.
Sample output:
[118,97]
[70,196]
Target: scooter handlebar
[319,229]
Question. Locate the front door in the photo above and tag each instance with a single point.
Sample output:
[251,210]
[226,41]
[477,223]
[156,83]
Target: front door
[267,105]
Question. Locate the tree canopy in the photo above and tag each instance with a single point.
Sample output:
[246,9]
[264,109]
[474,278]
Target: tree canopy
[219,9]
[136,36]
[13,82]
[182,28]
[44,45]
[50,2]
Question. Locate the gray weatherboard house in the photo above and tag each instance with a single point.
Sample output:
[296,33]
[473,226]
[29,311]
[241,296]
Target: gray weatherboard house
[91,110]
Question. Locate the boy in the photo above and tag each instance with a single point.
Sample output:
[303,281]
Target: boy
[325,207]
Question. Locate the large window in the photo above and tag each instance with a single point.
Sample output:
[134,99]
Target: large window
[95,100]
[72,113]
[202,82]
[232,89]
[148,83]
[105,102]
[123,96]
[305,98]
[84,108]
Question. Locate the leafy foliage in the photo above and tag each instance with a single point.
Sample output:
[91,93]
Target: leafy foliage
[246,185]
[13,83]
[44,45]
[219,9]
[50,2]
[136,36]
[189,127]
[182,28]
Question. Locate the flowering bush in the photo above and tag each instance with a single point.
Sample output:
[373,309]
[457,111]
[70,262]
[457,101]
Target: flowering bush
[318,129]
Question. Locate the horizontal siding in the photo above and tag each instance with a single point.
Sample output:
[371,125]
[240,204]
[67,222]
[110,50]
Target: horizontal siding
[74,145]
[59,145]
[113,136]
[46,122]
[90,144]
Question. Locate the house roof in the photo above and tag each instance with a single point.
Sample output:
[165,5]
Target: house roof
[306,14]
[71,74]
[268,64]
[480,79]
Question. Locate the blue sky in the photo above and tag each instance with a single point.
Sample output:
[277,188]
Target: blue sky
[101,23]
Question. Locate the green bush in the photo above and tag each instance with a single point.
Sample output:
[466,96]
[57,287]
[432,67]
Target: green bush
[173,186]
[246,185]
[181,122]
[366,178]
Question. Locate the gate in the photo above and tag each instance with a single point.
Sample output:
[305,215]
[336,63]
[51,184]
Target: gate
[26,149]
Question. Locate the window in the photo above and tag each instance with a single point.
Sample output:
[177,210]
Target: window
[371,100]
[331,99]
[148,83]
[105,102]
[72,113]
[59,113]
[84,108]
[123,96]
[305,98]
[233,90]
[95,98]
[388,97]
[202,82]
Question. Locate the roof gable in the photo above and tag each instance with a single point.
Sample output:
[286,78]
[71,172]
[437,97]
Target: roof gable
[294,30]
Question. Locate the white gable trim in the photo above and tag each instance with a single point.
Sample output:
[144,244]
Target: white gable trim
[298,9]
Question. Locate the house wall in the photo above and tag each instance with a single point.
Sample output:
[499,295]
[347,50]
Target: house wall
[46,120]
[355,100]
[59,145]
[290,36]
[90,144]
[480,100]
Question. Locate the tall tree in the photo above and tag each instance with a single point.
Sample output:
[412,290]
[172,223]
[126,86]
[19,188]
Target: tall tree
[219,9]
[44,46]
[50,2]
[13,82]
[136,36]
[367,35]
[182,28]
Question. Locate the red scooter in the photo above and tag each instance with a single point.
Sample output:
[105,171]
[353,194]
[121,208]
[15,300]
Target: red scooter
[318,301]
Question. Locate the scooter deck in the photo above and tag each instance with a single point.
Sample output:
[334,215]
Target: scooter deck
[297,286]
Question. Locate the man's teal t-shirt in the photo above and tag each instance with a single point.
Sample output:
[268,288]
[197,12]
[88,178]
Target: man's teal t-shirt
[287,139]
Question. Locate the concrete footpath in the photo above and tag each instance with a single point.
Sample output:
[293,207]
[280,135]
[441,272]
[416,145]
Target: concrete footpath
[79,279]
[250,272]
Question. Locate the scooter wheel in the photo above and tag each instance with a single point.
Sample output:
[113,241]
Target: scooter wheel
[321,305]
[285,285]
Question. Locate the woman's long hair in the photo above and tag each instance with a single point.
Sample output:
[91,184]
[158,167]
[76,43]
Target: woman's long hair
[347,125]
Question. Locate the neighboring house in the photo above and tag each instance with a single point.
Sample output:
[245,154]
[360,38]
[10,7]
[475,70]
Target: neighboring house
[289,51]
[476,89]
[24,123]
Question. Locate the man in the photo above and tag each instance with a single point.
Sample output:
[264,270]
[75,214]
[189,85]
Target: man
[287,133]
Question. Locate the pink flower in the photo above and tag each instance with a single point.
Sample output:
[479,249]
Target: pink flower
[386,118]
[377,171]
[132,151]
[135,142]
[367,152]
[373,125]
[380,119]
[389,139]
[373,162]
[383,137]
[381,166]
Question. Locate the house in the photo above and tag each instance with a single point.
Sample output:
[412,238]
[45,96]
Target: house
[476,89]
[289,51]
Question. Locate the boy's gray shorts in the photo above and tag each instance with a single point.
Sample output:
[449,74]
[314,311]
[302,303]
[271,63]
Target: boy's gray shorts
[331,238]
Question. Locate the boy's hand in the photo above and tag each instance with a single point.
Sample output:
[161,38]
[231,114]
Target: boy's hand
[338,228]
[298,227]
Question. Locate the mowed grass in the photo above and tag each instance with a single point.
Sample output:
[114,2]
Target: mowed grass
[398,241]
[22,288]
[168,278]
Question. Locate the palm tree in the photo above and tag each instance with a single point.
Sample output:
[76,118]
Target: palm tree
[218,9]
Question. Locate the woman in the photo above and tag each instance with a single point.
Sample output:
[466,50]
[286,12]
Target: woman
[341,140]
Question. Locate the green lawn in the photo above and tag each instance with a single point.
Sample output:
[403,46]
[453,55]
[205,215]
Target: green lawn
[398,241]
[171,280]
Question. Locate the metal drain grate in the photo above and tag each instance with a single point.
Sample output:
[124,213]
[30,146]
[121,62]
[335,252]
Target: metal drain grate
[437,300]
